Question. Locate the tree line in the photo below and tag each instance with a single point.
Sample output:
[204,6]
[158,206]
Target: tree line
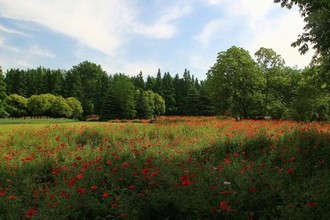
[236,85]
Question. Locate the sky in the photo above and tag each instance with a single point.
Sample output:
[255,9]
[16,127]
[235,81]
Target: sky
[129,36]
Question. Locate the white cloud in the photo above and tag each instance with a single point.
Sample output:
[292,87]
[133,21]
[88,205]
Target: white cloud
[209,30]
[12,31]
[38,51]
[163,27]
[104,25]
[101,26]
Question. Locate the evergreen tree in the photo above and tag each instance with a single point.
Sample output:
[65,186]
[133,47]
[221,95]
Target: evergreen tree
[169,94]
[3,95]
[138,81]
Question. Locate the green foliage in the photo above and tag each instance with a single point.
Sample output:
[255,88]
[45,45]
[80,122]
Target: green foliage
[317,29]
[16,105]
[76,107]
[235,83]
[3,96]
[60,108]
[39,105]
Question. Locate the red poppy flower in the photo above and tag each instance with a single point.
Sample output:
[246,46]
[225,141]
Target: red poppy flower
[81,190]
[31,212]
[290,170]
[93,187]
[224,206]
[105,195]
[311,204]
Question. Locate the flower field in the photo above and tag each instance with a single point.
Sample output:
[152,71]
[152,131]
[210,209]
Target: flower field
[177,168]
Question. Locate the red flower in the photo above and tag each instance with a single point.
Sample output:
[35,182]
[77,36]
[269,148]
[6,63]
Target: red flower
[108,162]
[187,182]
[290,170]
[80,176]
[81,190]
[93,187]
[78,158]
[224,206]
[65,194]
[149,161]
[12,197]
[311,205]
[252,190]
[72,182]
[3,193]
[56,171]
[105,195]
[31,212]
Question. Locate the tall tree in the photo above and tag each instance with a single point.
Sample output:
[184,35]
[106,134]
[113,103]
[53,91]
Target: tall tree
[3,96]
[270,63]
[94,83]
[235,82]
[169,94]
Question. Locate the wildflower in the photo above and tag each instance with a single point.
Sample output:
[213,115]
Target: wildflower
[65,194]
[108,162]
[3,193]
[72,182]
[80,176]
[31,212]
[311,205]
[149,161]
[78,158]
[56,171]
[12,197]
[105,195]
[186,182]
[290,170]
[224,206]
[93,187]
[81,190]
[252,190]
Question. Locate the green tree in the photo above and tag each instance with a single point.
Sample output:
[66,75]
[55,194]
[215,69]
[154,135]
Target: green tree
[270,63]
[160,105]
[235,83]
[169,94]
[40,105]
[143,108]
[60,108]
[94,83]
[16,82]
[3,96]
[123,96]
[75,105]
[138,81]
[16,105]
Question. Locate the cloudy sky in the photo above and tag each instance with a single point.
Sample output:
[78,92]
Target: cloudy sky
[130,36]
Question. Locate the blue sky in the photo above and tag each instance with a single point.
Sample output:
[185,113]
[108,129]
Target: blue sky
[129,36]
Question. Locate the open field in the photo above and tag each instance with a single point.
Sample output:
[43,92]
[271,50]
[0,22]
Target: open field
[178,168]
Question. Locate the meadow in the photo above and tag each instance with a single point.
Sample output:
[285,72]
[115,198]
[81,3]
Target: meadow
[177,168]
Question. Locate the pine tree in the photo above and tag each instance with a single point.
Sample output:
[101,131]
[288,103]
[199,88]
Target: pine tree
[3,96]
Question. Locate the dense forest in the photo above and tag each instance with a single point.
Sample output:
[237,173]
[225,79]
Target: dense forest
[236,85]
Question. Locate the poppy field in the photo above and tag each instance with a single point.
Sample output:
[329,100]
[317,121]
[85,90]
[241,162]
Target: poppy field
[177,168]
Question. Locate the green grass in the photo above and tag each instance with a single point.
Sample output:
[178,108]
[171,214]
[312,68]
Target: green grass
[35,121]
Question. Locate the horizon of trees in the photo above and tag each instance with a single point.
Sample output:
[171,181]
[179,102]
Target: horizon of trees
[236,85]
